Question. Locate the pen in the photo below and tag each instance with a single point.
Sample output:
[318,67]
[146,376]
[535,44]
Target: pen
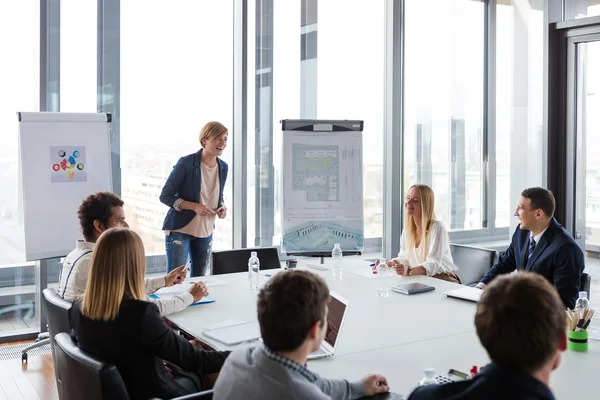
[268,275]
[187,268]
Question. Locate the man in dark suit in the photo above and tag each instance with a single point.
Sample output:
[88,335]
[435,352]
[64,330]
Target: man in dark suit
[520,322]
[542,245]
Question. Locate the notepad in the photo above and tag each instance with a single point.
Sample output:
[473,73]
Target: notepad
[412,288]
[465,293]
[235,334]
[162,296]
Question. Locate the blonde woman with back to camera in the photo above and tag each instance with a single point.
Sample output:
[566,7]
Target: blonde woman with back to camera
[424,244]
[114,321]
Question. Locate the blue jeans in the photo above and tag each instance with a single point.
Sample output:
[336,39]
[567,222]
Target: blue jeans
[180,245]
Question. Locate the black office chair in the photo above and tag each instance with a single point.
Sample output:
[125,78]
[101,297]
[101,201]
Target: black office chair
[585,283]
[83,376]
[229,261]
[58,311]
[472,262]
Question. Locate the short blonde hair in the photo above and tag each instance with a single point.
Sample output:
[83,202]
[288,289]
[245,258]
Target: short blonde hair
[117,272]
[212,130]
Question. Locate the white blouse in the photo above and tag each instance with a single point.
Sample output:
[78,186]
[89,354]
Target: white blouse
[439,258]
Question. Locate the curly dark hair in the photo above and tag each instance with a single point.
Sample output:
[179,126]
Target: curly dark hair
[97,206]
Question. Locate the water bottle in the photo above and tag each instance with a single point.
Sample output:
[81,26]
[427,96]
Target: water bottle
[428,377]
[253,270]
[336,257]
[383,269]
[582,301]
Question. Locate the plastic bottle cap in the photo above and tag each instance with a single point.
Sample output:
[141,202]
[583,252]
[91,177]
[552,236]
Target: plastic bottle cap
[429,372]
[583,295]
[253,254]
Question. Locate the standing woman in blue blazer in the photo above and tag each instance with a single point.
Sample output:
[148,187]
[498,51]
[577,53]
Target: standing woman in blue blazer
[194,193]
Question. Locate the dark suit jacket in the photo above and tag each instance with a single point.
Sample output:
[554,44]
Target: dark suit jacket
[492,383]
[136,342]
[557,257]
[184,182]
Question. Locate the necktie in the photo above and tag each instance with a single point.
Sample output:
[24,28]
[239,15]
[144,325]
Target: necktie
[531,247]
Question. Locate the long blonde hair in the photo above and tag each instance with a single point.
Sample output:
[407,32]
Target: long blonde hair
[117,272]
[426,202]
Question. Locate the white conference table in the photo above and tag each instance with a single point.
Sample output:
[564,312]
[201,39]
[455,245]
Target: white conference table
[397,336]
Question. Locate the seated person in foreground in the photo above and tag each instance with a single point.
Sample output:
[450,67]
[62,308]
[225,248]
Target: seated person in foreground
[424,244]
[114,322]
[540,244]
[292,313]
[520,321]
[98,212]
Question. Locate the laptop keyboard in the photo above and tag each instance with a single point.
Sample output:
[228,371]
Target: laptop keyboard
[318,352]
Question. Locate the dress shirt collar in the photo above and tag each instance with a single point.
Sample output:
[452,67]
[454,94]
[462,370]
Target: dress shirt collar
[290,364]
[83,245]
[537,237]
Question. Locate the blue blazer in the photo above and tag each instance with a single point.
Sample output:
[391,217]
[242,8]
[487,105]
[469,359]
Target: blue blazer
[557,257]
[184,182]
[492,383]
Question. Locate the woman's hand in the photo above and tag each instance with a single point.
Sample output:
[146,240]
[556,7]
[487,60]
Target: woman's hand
[198,291]
[401,269]
[201,209]
[222,212]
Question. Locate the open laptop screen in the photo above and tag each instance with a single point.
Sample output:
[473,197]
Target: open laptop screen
[334,320]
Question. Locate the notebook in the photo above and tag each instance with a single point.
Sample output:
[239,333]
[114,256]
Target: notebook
[465,293]
[234,334]
[167,295]
[412,288]
[338,307]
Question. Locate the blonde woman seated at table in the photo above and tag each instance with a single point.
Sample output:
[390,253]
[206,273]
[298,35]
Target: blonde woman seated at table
[424,244]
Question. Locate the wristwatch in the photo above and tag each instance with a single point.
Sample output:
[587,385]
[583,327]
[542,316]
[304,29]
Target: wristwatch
[409,271]
[177,203]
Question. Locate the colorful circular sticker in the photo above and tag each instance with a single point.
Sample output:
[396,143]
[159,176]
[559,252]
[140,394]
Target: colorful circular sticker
[76,153]
[80,166]
[70,174]
[56,167]
[62,153]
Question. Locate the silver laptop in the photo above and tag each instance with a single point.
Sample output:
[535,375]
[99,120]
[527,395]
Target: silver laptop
[338,307]
[465,293]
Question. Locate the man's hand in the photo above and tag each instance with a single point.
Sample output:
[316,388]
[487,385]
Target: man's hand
[374,384]
[198,290]
[176,276]
[480,285]
[221,212]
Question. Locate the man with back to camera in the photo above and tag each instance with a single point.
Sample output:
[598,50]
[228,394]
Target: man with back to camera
[540,244]
[520,321]
[292,313]
[97,213]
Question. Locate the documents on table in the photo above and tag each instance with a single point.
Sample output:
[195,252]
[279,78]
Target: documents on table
[161,295]
[372,274]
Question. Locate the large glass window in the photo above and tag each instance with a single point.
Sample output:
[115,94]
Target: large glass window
[176,75]
[19,77]
[313,60]
[519,103]
[78,55]
[575,9]
[443,104]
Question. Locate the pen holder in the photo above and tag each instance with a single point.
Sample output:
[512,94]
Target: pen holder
[577,341]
